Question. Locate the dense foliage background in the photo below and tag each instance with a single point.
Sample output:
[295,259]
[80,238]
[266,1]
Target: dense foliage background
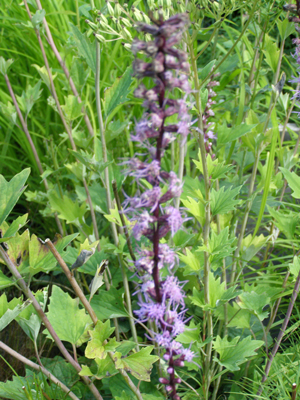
[67,113]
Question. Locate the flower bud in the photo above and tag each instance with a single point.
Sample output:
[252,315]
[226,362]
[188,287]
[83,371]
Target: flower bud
[100,38]
[164,381]
[110,8]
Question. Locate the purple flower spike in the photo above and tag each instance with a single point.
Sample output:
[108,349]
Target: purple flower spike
[152,212]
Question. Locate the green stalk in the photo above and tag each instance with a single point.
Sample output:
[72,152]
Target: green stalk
[235,43]
[206,228]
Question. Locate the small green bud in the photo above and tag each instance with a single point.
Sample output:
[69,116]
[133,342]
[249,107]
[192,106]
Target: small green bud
[118,10]
[100,38]
[138,15]
[110,8]
[93,26]
[126,22]
[126,34]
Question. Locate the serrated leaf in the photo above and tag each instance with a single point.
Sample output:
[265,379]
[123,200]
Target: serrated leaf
[216,169]
[44,74]
[138,364]
[10,192]
[191,334]
[95,347]
[295,267]
[116,94]
[236,352]
[29,97]
[255,303]
[85,48]
[108,304]
[229,134]
[190,259]
[10,315]
[5,281]
[10,231]
[293,181]
[37,18]
[67,319]
[236,316]
[223,201]
[5,65]
[71,108]
[251,246]
[41,258]
[286,222]
[31,326]
[67,208]
[219,247]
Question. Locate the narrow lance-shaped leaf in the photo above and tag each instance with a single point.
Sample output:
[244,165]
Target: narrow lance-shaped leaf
[11,191]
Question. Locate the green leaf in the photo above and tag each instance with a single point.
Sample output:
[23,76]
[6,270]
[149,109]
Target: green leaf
[10,231]
[295,267]
[10,315]
[219,247]
[271,53]
[5,281]
[206,70]
[31,326]
[95,347]
[255,303]
[236,316]
[293,181]
[116,94]
[190,335]
[228,134]
[285,28]
[223,201]
[10,192]
[216,170]
[71,108]
[217,294]
[41,258]
[67,319]
[5,65]
[138,364]
[37,18]
[286,222]
[67,209]
[252,245]
[191,260]
[236,352]
[85,48]
[44,75]
[125,396]
[108,304]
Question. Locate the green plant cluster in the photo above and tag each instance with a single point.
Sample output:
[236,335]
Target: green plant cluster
[67,111]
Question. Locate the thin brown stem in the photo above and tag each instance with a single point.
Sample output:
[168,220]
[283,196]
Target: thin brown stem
[22,284]
[63,66]
[37,367]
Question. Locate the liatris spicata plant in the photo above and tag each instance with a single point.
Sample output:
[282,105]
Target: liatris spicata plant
[151,208]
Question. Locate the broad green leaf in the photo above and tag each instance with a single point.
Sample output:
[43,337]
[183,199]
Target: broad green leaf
[196,208]
[85,48]
[5,305]
[295,267]
[228,134]
[5,281]
[31,326]
[97,281]
[206,70]
[10,192]
[219,247]
[217,294]
[126,396]
[271,53]
[236,316]
[293,181]
[108,304]
[222,201]
[13,389]
[5,65]
[236,352]
[29,97]
[251,246]
[138,364]
[9,231]
[286,222]
[191,260]
[285,28]
[44,75]
[191,334]
[216,169]
[10,315]
[67,319]
[71,108]
[67,209]
[37,18]
[255,303]
[95,347]
[41,258]
[116,94]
